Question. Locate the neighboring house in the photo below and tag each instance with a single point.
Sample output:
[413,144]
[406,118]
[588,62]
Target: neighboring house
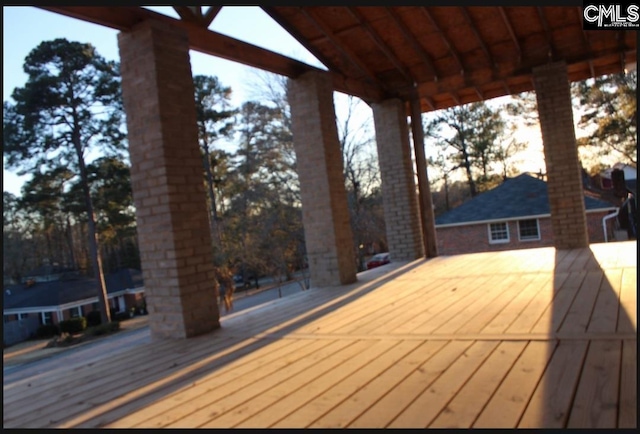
[44,299]
[630,176]
[514,215]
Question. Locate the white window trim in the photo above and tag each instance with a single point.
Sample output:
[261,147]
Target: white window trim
[524,240]
[44,317]
[505,241]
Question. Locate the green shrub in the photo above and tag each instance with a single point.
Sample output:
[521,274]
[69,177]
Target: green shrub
[47,331]
[103,329]
[74,325]
[94,318]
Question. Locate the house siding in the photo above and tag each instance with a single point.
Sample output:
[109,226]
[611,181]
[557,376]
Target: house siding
[474,238]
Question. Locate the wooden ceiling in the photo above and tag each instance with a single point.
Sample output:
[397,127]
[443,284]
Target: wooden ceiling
[449,55]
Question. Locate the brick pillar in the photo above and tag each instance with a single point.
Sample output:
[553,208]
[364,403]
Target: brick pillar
[325,212]
[166,177]
[566,195]
[401,213]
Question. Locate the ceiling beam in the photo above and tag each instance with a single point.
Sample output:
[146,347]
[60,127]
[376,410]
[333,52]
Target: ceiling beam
[211,14]
[381,44]
[547,32]
[415,44]
[446,41]
[514,38]
[349,55]
[124,18]
[479,39]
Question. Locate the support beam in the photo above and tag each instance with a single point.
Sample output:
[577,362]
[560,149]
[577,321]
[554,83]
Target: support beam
[166,178]
[325,212]
[425,202]
[401,212]
[566,194]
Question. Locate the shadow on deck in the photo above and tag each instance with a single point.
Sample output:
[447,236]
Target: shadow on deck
[528,338]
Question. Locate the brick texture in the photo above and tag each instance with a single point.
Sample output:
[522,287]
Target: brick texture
[166,175]
[325,212]
[566,200]
[399,192]
[475,238]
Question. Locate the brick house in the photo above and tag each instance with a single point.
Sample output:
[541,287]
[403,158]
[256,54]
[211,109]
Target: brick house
[514,215]
[60,296]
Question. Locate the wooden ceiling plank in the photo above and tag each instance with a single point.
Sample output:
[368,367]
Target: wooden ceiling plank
[381,44]
[446,41]
[346,52]
[476,34]
[514,38]
[420,51]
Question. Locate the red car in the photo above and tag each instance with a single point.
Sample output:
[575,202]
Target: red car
[378,260]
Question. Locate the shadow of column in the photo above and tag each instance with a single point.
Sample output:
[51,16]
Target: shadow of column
[590,377]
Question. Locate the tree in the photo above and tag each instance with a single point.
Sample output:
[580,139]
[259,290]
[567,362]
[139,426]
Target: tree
[362,177]
[609,112]
[43,199]
[70,105]
[214,120]
[462,121]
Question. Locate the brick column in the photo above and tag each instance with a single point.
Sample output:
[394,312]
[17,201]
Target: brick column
[401,213]
[325,213]
[166,177]
[566,195]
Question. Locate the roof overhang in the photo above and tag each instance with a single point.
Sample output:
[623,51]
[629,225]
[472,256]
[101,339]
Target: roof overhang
[442,55]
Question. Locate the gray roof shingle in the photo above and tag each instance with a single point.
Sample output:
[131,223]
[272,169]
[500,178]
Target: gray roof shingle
[60,292]
[516,198]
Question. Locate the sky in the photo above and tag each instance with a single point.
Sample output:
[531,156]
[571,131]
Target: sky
[247,23]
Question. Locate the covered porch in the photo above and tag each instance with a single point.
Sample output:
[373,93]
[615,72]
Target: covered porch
[542,338]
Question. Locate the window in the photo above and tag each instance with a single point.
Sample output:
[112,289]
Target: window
[75,312]
[47,318]
[498,233]
[22,316]
[528,230]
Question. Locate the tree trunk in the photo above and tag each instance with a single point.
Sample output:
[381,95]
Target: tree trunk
[94,251]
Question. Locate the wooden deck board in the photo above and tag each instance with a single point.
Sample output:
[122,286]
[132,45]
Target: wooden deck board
[306,414]
[628,414]
[532,338]
[428,405]
[359,402]
[506,406]
[464,408]
[551,402]
[386,409]
[597,394]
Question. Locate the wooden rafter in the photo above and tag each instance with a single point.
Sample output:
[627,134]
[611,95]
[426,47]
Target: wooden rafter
[381,44]
[478,92]
[211,14]
[415,44]
[514,38]
[479,39]
[547,32]
[446,41]
[186,13]
[125,18]
[345,51]
[194,14]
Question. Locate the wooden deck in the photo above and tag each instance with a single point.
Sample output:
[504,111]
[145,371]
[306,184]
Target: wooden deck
[526,338]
